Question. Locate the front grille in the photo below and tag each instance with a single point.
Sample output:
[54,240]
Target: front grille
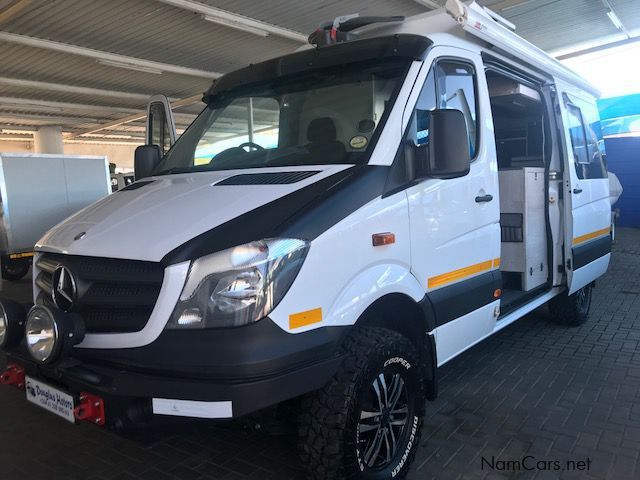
[113,295]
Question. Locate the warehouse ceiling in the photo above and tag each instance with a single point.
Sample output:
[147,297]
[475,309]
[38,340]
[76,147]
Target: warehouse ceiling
[90,65]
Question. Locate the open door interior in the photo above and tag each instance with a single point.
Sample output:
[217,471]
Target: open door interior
[161,129]
[585,183]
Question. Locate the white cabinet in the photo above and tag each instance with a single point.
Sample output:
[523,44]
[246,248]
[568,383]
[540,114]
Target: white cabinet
[523,225]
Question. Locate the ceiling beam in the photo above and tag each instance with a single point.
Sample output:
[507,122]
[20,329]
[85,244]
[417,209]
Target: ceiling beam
[137,116]
[615,19]
[13,9]
[234,20]
[123,61]
[8,102]
[507,4]
[432,4]
[596,48]
[50,119]
[64,88]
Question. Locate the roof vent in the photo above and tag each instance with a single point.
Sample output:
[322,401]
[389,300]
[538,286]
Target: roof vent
[275,178]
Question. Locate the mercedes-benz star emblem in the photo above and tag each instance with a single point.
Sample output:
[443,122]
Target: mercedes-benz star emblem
[63,292]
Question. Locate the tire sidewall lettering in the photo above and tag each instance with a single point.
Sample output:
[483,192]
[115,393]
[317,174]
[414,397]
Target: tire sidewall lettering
[410,445]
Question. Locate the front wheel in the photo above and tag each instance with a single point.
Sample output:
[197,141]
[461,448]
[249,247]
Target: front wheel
[571,310]
[366,423]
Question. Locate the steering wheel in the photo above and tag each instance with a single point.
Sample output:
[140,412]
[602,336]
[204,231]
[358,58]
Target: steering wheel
[250,146]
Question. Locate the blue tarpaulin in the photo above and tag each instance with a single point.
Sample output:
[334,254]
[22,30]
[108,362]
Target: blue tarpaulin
[623,159]
[620,120]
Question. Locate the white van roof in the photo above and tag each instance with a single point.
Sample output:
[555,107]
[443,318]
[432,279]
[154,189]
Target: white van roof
[449,24]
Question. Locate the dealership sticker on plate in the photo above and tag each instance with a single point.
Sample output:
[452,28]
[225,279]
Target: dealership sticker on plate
[359,141]
[50,398]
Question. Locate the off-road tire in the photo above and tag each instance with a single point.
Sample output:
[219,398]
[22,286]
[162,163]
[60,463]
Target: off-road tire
[571,310]
[328,422]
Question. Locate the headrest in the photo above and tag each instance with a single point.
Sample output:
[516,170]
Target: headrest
[321,130]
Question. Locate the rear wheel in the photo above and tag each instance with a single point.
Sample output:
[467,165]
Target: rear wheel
[15,269]
[366,423]
[571,310]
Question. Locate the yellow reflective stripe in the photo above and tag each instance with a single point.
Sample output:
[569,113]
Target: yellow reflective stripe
[21,255]
[302,319]
[496,262]
[455,275]
[589,236]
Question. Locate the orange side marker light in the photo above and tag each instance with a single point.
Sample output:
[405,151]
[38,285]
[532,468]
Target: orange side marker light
[380,239]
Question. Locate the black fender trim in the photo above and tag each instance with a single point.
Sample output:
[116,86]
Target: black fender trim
[432,366]
[590,251]
[464,297]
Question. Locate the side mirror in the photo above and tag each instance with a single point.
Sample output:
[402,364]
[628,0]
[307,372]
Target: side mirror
[448,153]
[146,159]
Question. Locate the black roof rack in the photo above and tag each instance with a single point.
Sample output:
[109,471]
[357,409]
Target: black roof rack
[339,29]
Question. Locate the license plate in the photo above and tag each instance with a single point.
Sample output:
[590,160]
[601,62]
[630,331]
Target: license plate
[51,399]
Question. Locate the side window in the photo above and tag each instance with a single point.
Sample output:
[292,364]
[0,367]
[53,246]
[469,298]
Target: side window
[456,88]
[586,139]
[578,139]
[449,85]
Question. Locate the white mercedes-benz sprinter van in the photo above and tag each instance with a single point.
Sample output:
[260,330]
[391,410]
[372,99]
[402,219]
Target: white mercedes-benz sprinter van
[334,226]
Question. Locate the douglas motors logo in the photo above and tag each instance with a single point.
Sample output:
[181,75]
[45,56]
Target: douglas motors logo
[30,389]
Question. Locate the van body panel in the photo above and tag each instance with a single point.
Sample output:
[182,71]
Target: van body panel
[344,273]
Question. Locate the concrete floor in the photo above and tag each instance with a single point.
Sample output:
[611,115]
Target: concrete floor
[535,390]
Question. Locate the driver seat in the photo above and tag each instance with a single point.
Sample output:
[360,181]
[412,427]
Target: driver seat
[322,136]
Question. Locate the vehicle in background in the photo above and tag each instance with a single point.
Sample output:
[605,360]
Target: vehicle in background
[37,191]
[335,226]
[121,180]
[615,190]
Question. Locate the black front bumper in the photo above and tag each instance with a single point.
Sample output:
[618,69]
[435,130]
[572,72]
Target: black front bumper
[254,367]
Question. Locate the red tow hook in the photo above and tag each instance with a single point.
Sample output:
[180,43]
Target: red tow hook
[13,375]
[91,409]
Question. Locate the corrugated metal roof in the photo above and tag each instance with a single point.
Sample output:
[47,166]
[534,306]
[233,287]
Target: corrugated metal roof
[152,30]
[304,16]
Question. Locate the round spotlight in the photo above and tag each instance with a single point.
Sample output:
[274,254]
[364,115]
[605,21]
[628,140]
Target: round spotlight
[3,325]
[51,334]
[12,318]
[41,332]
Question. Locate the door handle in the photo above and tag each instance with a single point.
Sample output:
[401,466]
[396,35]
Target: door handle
[484,198]
[577,190]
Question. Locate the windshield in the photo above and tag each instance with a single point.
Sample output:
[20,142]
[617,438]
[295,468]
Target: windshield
[319,117]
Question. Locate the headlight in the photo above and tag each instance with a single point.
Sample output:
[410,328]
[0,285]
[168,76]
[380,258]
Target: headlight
[41,332]
[238,286]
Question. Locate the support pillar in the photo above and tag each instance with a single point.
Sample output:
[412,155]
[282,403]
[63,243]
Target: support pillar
[48,140]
